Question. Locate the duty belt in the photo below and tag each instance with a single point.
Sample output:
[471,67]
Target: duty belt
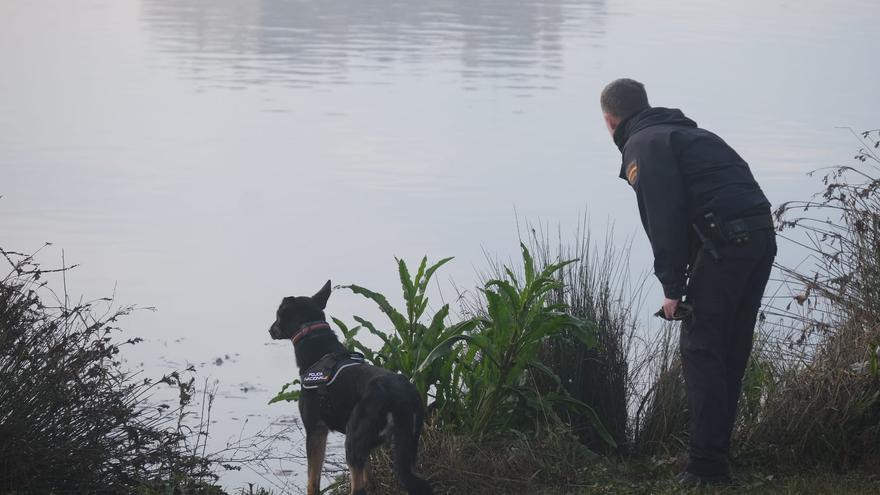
[713,232]
[740,226]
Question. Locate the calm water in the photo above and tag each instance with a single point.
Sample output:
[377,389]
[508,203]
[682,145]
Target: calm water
[208,157]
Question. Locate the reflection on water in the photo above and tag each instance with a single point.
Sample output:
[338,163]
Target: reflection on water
[306,43]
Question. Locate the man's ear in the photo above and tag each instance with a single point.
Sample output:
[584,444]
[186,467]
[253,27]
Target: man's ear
[321,297]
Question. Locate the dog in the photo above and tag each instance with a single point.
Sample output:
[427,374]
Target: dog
[340,392]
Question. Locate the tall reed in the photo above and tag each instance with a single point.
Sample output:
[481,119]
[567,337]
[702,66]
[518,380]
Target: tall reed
[813,388]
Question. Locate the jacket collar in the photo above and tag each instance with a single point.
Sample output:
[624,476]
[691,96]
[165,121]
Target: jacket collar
[647,118]
[623,131]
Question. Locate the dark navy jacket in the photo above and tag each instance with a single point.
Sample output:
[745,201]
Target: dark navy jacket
[681,172]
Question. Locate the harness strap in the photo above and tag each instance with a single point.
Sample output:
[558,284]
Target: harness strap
[324,372]
[325,400]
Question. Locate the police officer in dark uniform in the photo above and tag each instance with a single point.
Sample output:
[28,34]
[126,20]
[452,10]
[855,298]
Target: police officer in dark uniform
[712,236]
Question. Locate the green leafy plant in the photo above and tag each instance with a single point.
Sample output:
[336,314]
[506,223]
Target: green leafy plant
[288,392]
[411,346]
[503,362]
[482,374]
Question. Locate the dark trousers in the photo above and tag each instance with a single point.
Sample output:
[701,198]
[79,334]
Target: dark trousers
[717,341]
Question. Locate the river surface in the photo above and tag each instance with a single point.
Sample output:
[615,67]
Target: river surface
[207,157]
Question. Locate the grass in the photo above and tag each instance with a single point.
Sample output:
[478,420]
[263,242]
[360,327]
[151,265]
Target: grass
[596,288]
[72,419]
[556,463]
[813,388]
[641,478]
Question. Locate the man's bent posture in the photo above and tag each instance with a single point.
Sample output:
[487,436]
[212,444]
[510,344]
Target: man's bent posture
[712,235]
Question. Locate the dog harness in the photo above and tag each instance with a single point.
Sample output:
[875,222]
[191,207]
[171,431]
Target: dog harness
[322,374]
[325,371]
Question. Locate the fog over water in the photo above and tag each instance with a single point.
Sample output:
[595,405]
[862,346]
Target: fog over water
[208,157]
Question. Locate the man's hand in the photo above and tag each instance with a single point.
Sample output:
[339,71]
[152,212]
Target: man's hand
[669,307]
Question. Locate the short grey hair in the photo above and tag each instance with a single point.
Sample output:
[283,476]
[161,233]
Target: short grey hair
[623,98]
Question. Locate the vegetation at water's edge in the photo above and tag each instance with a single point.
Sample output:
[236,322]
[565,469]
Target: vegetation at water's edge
[545,383]
[71,419]
[556,464]
[811,395]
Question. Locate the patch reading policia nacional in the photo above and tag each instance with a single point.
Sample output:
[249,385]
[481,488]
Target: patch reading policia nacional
[632,172]
[324,372]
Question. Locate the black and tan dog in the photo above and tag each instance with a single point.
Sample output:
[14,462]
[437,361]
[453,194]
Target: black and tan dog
[368,404]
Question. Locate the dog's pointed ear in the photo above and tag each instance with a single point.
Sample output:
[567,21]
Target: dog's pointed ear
[321,297]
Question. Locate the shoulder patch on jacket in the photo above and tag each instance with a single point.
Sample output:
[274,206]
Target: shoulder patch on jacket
[632,172]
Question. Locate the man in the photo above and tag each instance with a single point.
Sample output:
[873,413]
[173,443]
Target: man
[712,236]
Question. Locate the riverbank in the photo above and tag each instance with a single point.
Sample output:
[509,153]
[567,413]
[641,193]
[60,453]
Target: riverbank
[557,464]
[613,479]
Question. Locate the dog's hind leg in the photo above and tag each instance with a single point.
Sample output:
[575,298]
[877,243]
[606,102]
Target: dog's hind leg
[316,445]
[407,429]
[368,473]
[362,434]
[357,455]
[408,417]
[360,438]
[358,479]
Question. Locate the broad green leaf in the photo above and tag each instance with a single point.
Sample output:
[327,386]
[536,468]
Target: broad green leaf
[396,318]
[461,327]
[538,365]
[420,309]
[512,277]
[287,395]
[409,291]
[509,291]
[442,349]
[528,264]
[549,270]
[348,333]
[421,272]
[584,331]
[436,327]
[430,272]
[372,329]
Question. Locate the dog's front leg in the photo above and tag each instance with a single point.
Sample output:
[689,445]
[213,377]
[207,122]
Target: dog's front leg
[316,445]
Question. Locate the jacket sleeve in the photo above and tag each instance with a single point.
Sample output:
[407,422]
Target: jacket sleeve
[663,207]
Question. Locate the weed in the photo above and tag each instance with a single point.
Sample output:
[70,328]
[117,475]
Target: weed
[412,347]
[72,419]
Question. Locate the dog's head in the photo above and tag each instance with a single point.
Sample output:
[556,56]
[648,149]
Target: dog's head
[296,311]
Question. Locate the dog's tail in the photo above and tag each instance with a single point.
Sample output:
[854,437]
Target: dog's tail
[408,420]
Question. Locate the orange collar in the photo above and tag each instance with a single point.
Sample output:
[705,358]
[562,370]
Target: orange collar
[309,328]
